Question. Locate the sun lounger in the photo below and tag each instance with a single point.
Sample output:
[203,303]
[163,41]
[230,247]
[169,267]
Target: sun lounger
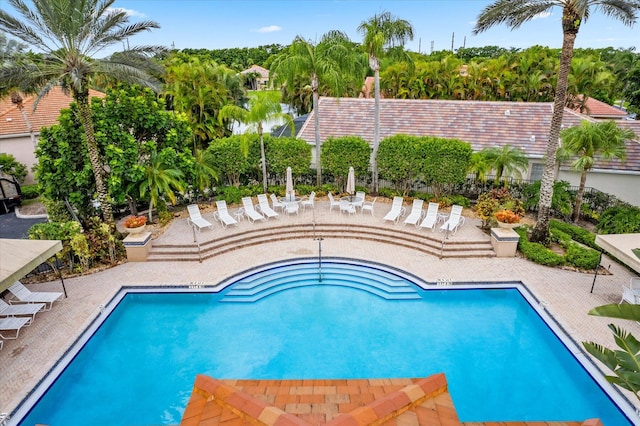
[396,210]
[250,211]
[21,310]
[12,324]
[416,213]
[24,295]
[431,218]
[223,214]
[455,220]
[265,209]
[196,219]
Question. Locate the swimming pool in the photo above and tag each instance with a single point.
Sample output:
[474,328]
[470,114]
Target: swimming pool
[360,321]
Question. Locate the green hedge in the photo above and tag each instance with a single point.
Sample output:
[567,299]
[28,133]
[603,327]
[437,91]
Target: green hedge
[582,257]
[579,234]
[536,252]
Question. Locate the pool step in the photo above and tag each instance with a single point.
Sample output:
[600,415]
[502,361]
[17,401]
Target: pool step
[378,283]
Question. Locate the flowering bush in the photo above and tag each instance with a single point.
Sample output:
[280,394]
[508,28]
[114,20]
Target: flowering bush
[135,221]
[506,216]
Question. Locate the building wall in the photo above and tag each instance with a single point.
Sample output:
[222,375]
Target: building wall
[624,186]
[23,149]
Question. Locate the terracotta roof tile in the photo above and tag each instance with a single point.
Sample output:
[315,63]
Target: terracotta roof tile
[482,124]
[399,402]
[599,109]
[46,114]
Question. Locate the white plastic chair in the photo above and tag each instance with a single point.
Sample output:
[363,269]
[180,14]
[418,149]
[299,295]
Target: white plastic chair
[265,209]
[332,202]
[416,213]
[195,218]
[368,205]
[291,208]
[310,201]
[360,195]
[455,220]
[346,206]
[396,210]
[277,204]
[223,214]
[431,218]
[631,293]
[250,211]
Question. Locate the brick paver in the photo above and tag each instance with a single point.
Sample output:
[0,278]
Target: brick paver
[564,293]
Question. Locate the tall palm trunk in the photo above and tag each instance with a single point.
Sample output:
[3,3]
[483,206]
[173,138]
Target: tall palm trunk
[570,24]
[576,209]
[94,157]
[263,159]
[375,65]
[316,123]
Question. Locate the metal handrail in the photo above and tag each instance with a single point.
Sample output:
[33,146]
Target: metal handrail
[195,240]
[446,235]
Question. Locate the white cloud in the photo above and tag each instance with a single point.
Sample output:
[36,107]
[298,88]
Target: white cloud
[542,15]
[269,29]
[129,12]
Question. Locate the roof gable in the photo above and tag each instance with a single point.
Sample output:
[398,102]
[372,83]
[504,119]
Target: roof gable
[598,109]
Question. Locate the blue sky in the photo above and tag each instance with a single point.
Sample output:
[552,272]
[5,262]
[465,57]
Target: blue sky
[215,24]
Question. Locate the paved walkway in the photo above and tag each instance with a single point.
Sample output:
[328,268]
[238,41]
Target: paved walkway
[564,293]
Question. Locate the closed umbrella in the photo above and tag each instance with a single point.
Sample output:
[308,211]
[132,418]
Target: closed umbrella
[290,194]
[351,182]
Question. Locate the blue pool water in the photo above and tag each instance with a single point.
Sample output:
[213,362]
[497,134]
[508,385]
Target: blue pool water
[501,360]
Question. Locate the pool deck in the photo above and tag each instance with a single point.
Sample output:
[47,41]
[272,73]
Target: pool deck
[564,293]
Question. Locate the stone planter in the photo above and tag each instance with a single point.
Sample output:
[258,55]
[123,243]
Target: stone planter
[508,225]
[135,231]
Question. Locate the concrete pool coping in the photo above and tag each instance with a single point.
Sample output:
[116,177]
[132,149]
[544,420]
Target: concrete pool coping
[566,294]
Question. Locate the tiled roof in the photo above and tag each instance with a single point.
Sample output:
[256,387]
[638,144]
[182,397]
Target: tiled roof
[482,124]
[599,109]
[393,402]
[257,68]
[47,113]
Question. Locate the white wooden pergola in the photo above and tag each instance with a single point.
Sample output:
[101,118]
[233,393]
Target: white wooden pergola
[19,257]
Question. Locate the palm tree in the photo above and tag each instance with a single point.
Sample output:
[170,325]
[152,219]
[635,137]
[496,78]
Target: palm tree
[70,33]
[205,174]
[263,106]
[332,62]
[574,12]
[507,160]
[159,180]
[383,34]
[590,141]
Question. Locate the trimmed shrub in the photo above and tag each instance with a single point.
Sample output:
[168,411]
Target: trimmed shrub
[29,192]
[536,252]
[575,232]
[582,257]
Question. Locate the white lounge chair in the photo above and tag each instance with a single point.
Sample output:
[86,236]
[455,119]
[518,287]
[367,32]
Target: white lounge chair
[309,201]
[346,206]
[359,200]
[223,214]
[368,205]
[396,211]
[431,217]
[455,220]
[265,208]
[277,204]
[24,295]
[332,201]
[415,214]
[631,293]
[250,211]
[12,324]
[24,310]
[195,219]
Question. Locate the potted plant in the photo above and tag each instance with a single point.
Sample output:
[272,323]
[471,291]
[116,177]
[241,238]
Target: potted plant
[135,224]
[507,218]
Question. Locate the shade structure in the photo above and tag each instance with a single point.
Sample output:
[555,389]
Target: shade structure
[19,257]
[290,194]
[351,181]
[622,246]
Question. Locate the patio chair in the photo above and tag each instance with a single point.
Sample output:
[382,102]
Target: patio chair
[368,205]
[12,324]
[416,213]
[346,206]
[631,293]
[277,204]
[359,200]
[24,295]
[265,209]
[396,211]
[24,310]
[195,219]
[332,201]
[223,214]
[455,220]
[431,218]
[250,211]
[291,208]
[309,201]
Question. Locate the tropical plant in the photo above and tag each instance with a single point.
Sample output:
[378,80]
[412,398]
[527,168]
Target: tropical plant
[10,166]
[507,160]
[574,12]
[135,221]
[621,219]
[205,173]
[384,34]
[70,34]
[507,216]
[589,142]
[332,62]
[159,180]
[263,106]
